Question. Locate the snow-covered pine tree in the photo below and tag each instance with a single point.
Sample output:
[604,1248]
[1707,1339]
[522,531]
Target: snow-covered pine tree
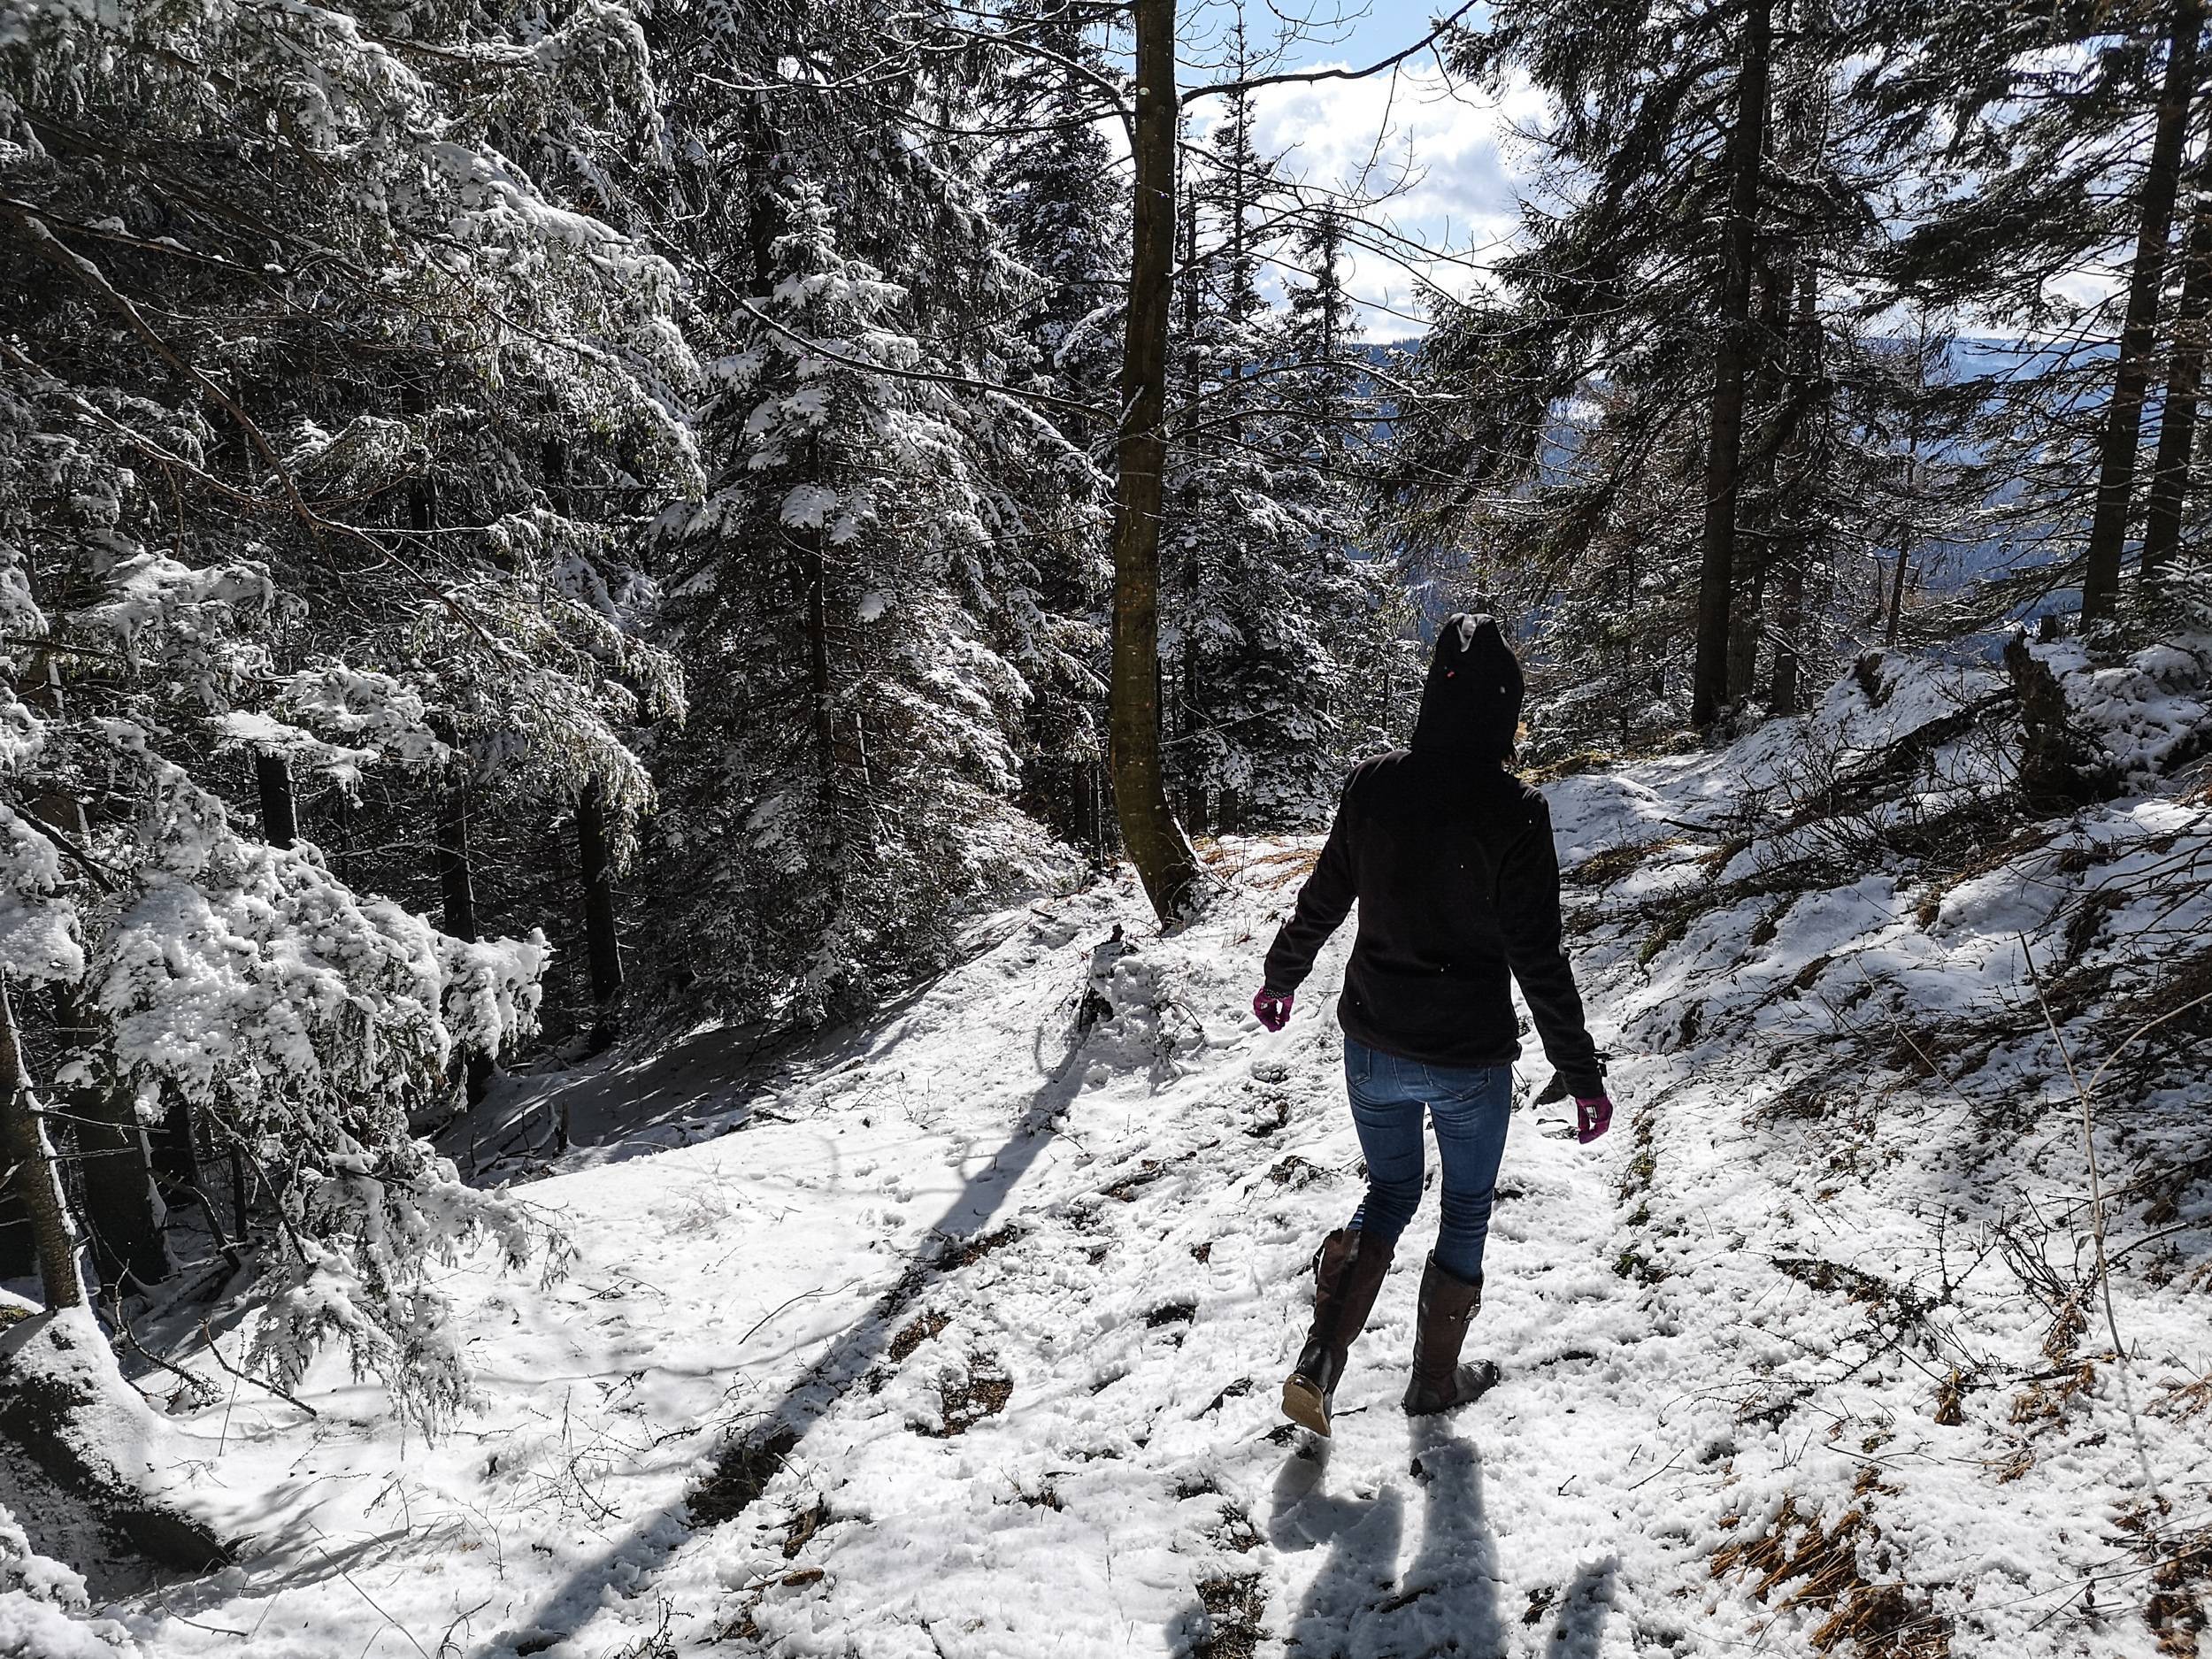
[1263,606]
[2072,139]
[1054,194]
[1326,408]
[294,336]
[1571,458]
[849,788]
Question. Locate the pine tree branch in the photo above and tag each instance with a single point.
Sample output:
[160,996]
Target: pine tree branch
[1227,88]
[928,377]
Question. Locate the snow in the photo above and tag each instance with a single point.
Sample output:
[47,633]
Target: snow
[2142,710]
[1005,1281]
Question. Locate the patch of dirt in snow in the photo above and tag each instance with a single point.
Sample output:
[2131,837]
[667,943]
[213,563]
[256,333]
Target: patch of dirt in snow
[968,1346]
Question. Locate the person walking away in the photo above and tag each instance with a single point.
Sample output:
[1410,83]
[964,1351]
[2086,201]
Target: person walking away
[1450,857]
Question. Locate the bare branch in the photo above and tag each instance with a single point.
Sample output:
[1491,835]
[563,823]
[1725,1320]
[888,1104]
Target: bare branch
[1302,76]
[928,377]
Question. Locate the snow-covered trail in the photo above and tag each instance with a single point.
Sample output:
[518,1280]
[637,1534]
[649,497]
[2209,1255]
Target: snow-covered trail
[961,1335]
[1067,1442]
[1020,1299]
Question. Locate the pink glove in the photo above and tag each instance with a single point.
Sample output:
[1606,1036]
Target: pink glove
[1272,1007]
[1593,1116]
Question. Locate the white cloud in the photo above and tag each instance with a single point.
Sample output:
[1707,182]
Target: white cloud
[1443,155]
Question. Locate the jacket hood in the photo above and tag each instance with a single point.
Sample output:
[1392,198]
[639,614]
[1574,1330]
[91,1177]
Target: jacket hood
[1472,706]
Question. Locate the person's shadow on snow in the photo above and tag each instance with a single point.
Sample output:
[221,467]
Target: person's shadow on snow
[1579,1631]
[1360,1604]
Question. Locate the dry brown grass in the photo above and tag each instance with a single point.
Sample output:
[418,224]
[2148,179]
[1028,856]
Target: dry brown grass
[1282,866]
[915,1334]
[1601,870]
[1819,1569]
[1234,1604]
[982,1392]
[2181,1563]
[2185,1399]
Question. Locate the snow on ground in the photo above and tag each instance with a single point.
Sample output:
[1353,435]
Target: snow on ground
[961,1335]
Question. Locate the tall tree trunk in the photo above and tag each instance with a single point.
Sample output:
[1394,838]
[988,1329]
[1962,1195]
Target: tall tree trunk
[1179,712]
[2177,415]
[1789,621]
[2124,415]
[279,808]
[1724,451]
[456,875]
[1759,531]
[1157,844]
[603,948]
[176,1144]
[34,1176]
[1747,619]
[816,578]
[1904,545]
[123,1211]
[456,879]
[457,885]
[1806,448]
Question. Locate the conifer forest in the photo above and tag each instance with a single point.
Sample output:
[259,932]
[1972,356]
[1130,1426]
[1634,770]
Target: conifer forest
[664,666]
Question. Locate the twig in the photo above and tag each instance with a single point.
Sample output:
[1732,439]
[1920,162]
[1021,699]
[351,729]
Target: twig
[2089,1150]
[929,377]
[446,1642]
[248,1377]
[101,876]
[802,1296]
[366,1596]
[206,1390]
[1255,82]
[2144,1030]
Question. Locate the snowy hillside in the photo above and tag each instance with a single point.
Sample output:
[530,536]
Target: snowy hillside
[961,1334]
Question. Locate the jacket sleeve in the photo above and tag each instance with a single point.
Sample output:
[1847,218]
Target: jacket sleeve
[1528,912]
[1323,904]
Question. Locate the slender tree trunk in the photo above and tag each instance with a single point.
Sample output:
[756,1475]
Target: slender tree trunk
[422,488]
[123,1211]
[280,807]
[1178,712]
[2123,414]
[1806,451]
[34,1176]
[1789,621]
[2178,416]
[456,875]
[816,578]
[456,880]
[1904,546]
[457,888]
[457,884]
[177,1151]
[603,948]
[1731,356]
[1157,844]
[1759,528]
[1746,623]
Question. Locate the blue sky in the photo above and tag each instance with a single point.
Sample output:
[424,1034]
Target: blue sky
[1446,158]
[1343,30]
[1442,155]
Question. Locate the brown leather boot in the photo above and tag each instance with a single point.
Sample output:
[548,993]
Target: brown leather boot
[1440,1381]
[1347,1276]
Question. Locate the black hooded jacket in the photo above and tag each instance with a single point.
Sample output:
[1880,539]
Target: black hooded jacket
[1451,859]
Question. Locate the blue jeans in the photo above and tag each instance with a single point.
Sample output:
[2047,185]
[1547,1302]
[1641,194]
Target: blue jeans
[1471,1106]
